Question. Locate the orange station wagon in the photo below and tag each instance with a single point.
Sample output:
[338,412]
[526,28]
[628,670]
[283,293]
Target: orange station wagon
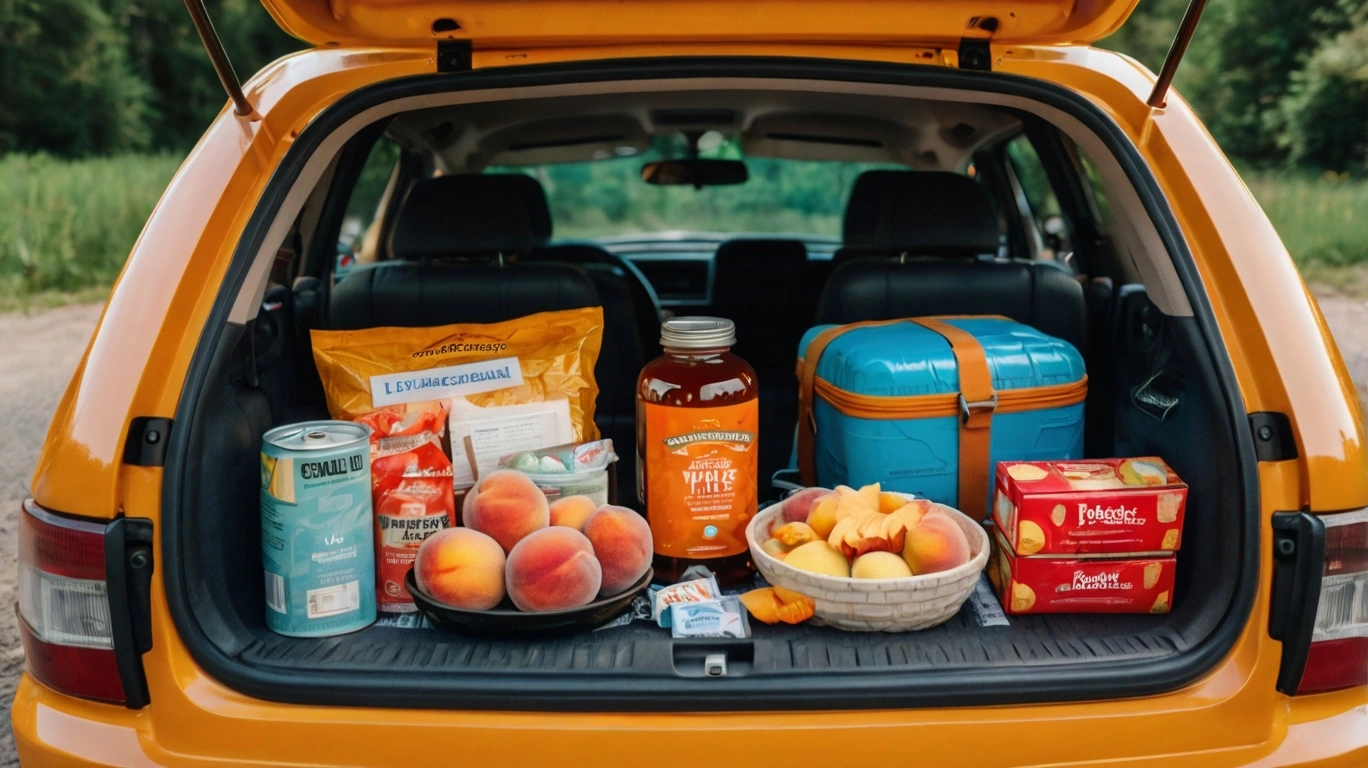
[1116,223]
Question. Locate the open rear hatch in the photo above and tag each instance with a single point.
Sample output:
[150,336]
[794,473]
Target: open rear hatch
[212,529]
[535,23]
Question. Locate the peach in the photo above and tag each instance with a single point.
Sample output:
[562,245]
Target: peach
[889,501]
[552,569]
[507,506]
[819,557]
[798,506]
[572,511]
[622,543]
[794,534]
[462,568]
[935,544]
[853,503]
[775,604]
[822,517]
[775,548]
[879,565]
[876,533]
[912,512]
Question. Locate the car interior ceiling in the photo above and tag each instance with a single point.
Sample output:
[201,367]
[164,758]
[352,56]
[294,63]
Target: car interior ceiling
[462,245]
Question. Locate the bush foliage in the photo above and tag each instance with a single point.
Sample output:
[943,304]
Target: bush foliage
[1278,82]
[98,99]
[94,77]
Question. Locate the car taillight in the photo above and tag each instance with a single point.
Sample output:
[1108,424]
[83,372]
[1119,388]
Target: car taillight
[1339,642]
[64,605]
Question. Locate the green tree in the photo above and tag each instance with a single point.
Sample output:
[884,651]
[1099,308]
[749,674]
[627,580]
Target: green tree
[1249,51]
[95,77]
[68,86]
[1147,33]
[1325,113]
[168,54]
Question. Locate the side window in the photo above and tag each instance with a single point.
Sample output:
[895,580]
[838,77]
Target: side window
[1096,190]
[358,240]
[1044,220]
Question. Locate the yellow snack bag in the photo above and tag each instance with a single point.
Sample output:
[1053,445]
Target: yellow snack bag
[532,359]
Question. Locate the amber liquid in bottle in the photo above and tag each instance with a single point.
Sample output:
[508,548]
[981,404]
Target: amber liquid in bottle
[697,417]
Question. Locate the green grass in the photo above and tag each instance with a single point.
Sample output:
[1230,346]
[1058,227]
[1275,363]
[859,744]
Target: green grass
[66,227]
[1322,221]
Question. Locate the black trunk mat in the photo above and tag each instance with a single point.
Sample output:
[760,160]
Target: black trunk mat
[642,648]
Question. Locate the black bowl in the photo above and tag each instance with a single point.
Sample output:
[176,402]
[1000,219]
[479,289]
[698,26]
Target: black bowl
[505,619]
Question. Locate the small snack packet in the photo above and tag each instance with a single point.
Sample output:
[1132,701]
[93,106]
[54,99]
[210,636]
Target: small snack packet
[411,492]
[709,618]
[695,591]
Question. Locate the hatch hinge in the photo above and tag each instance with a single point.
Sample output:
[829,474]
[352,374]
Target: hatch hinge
[975,54]
[454,56]
[1273,440]
[128,583]
[145,445]
[1298,557]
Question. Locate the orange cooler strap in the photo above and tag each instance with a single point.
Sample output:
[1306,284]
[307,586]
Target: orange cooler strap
[976,397]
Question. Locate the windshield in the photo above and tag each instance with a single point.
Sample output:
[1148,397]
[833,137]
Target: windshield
[598,198]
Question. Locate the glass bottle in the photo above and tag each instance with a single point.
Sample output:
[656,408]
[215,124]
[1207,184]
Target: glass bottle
[697,449]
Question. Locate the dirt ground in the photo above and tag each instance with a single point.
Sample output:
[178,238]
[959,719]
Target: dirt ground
[40,351]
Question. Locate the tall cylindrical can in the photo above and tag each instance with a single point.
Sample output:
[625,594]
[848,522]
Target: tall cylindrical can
[317,541]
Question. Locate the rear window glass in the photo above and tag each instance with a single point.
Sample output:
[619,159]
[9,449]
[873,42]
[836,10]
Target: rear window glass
[1097,190]
[782,197]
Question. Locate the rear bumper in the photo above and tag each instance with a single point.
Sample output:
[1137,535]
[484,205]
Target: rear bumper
[55,730]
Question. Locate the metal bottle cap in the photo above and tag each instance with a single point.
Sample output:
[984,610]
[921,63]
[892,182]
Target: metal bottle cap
[697,333]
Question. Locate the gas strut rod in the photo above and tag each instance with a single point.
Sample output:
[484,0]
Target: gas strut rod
[218,57]
[1175,54]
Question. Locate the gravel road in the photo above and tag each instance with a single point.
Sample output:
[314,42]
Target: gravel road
[40,352]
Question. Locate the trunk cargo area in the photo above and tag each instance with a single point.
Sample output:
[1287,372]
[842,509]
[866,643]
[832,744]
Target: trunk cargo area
[640,665]
[251,377]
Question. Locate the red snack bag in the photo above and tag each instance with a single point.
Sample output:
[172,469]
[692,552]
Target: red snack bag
[1082,584]
[411,492]
[1090,506]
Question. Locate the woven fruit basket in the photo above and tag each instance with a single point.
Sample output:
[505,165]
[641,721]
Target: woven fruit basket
[875,605]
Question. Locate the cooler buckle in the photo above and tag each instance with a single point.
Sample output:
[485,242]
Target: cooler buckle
[968,410]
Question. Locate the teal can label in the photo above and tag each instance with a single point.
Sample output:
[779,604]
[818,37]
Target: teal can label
[317,533]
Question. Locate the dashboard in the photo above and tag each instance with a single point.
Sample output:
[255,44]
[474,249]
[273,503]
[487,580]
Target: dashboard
[680,265]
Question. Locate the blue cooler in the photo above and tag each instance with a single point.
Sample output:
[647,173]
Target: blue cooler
[928,405]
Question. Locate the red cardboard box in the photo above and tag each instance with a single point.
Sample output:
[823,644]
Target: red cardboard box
[1140,583]
[1101,506]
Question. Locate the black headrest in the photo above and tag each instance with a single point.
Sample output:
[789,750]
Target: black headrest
[530,192]
[757,252]
[862,209]
[466,215]
[921,212]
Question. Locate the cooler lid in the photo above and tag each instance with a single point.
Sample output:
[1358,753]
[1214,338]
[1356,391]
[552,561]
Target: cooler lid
[905,359]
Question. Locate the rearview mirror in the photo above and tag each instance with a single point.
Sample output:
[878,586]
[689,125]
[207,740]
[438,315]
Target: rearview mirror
[696,173]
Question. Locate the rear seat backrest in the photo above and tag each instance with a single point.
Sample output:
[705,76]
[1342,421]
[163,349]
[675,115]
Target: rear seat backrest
[919,254]
[451,245]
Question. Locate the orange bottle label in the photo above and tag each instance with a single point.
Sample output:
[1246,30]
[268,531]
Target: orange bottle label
[701,466]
